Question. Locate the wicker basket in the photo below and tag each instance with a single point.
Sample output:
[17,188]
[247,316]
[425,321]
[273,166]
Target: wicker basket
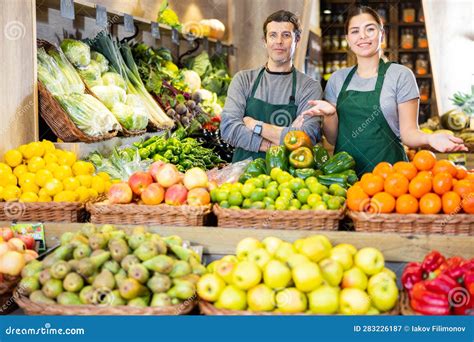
[210,310]
[405,307]
[7,285]
[94,310]
[413,223]
[57,118]
[162,214]
[279,219]
[43,211]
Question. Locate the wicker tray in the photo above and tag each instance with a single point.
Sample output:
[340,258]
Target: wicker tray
[43,211]
[413,223]
[405,307]
[162,214]
[210,310]
[7,285]
[31,308]
[279,219]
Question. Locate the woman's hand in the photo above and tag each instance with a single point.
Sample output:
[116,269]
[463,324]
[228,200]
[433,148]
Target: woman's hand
[446,143]
[320,108]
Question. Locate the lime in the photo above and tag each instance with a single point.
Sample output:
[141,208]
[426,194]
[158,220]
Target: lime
[258,195]
[292,208]
[236,187]
[213,195]
[303,195]
[268,200]
[224,204]
[275,172]
[273,193]
[317,188]
[284,177]
[320,206]
[235,198]
[285,185]
[255,181]
[313,199]
[305,207]
[222,195]
[287,193]
[333,203]
[326,197]
[341,199]
[258,205]
[270,207]
[337,190]
[311,180]
[266,179]
[248,189]
[246,203]
[272,184]
[234,207]
[226,186]
[297,184]
[282,203]
[295,203]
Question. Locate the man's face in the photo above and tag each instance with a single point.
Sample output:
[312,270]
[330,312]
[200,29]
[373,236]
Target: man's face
[280,41]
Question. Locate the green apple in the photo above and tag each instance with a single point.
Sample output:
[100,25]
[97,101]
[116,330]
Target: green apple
[383,291]
[232,298]
[315,247]
[390,273]
[370,260]
[296,259]
[246,275]
[276,274]
[291,300]
[224,269]
[350,248]
[212,266]
[271,244]
[373,311]
[284,251]
[245,246]
[332,271]
[354,302]
[261,298]
[259,256]
[307,276]
[342,256]
[210,286]
[354,278]
[324,300]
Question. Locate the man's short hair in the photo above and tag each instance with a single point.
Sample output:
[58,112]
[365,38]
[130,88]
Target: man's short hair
[283,16]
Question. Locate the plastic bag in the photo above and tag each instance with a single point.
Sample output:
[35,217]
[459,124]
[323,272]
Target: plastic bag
[228,174]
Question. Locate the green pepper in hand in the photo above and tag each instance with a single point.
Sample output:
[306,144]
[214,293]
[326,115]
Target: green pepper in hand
[301,158]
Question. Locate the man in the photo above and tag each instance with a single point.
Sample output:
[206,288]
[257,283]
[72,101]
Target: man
[263,104]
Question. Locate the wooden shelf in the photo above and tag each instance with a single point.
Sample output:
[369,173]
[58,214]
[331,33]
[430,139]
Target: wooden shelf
[416,24]
[414,50]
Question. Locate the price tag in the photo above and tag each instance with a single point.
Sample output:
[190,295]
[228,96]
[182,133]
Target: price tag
[155,30]
[206,44]
[101,16]
[219,47]
[128,23]
[175,36]
[66,8]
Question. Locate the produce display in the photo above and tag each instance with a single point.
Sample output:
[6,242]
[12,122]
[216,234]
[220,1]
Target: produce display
[163,183]
[440,286]
[425,185]
[307,276]
[39,172]
[15,252]
[105,266]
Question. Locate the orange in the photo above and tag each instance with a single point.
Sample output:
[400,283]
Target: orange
[451,202]
[425,174]
[371,184]
[357,199]
[464,187]
[396,184]
[470,175]
[407,204]
[383,169]
[442,183]
[405,168]
[430,204]
[468,204]
[419,186]
[382,202]
[445,166]
[424,160]
[461,172]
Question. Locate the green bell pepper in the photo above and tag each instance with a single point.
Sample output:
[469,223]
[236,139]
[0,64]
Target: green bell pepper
[306,173]
[327,180]
[351,176]
[301,158]
[338,163]
[320,155]
[276,157]
[256,167]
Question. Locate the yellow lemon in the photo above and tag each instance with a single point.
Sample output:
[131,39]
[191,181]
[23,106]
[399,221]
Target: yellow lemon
[8,179]
[65,196]
[62,172]
[22,149]
[104,175]
[83,194]
[67,158]
[4,169]
[29,197]
[52,167]
[107,186]
[11,193]
[13,158]
[42,176]
[93,193]
[33,149]
[58,153]
[86,180]
[50,157]
[1,193]
[30,187]
[98,184]
[71,183]
[53,187]
[48,146]
[82,168]
[26,178]
[42,192]
[44,198]
[35,164]
[19,170]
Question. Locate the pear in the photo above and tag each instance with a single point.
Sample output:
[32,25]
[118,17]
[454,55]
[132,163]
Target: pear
[117,234]
[98,241]
[66,238]
[182,290]
[193,278]
[173,240]
[79,239]
[73,282]
[81,251]
[197,267]
[106,229]
[105,279]
[139,302]
[180,269]
[146,251]
[28,285]
[131,288]
[160,300]
[60,269]
[109,298]
[181,252]
[68,298]
[44,276]
[52,288]
[60,253]
[160,263]
[135,240]
[118,249]
[39,297]
[128,261]
[159,283]
[87,295]
[139,230]
[159,243]
[90,279]
[100,258]
[139,272]
[112,265]
[33,268]
[88,229]
[120,276]
[86,267]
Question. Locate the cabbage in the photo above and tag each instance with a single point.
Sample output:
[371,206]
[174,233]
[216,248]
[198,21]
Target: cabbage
[90,74]
[125,114]
[192,80]
[139,109]
[75,84]
[109,95]
[77,52]
[112,78]
[103,62]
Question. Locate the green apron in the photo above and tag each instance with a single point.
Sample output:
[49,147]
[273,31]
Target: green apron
[278,115]
[363,131]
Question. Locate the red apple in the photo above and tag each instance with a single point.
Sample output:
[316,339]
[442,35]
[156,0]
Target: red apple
[16,244]
[168,175]
[153,170]
[176,194]
[198,196]
[28,240]
[153,194]
[195,178]
[120,193]
[139,181]
[7,233]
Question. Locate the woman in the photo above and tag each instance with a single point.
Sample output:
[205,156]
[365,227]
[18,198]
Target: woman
[373,107]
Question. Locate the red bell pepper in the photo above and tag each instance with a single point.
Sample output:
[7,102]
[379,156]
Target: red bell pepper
[432,261]
[427,309]
[428,302]
[468,279]
[412,274]
[441,284]
[467,309]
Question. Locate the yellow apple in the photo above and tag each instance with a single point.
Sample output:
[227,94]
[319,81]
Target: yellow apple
[343,256]
[348,247]
[232,298]
[353,302]
[224,269]
[296,259]
[307,276]
[246,275]
[315,247]
[370,260]
[271,244]
[332,271]
[291,300]
[276,274]
[324,300]
[245,246]
[284,251]
[210,286]
[259,256]
[261,298]
[354,278]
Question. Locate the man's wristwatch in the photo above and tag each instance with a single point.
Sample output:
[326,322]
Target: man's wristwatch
[258,128]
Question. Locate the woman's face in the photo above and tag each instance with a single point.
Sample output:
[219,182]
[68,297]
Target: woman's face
[364,35]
